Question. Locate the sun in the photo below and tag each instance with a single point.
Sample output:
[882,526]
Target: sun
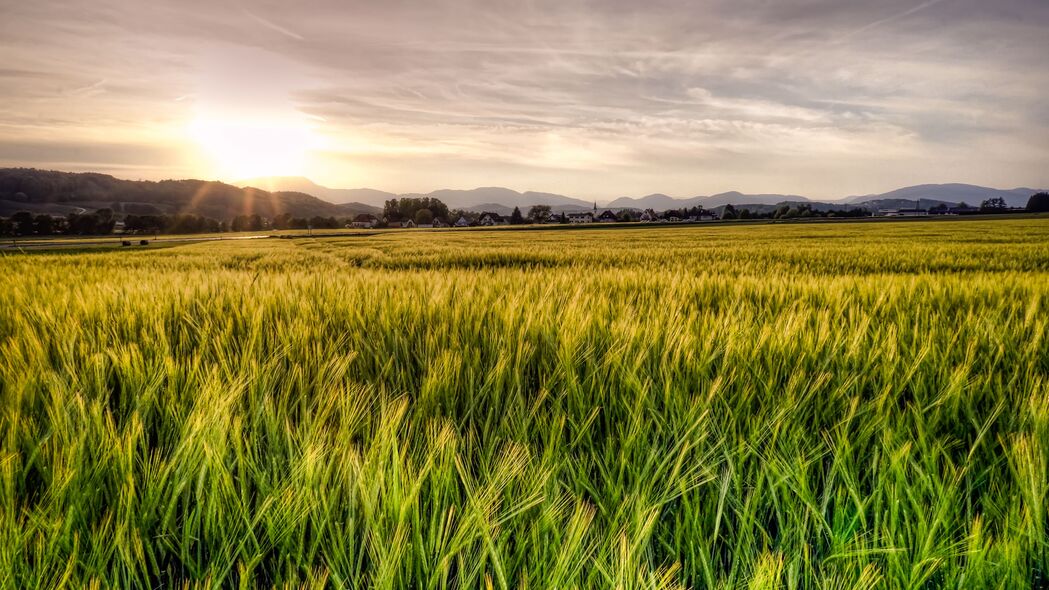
[240,148]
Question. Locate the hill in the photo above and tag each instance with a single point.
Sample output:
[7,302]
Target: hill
[359,197]
[656,201]
[661,202]
[476,198]
[482,198]
[59,193]
[949,193]
[734,197]
[929,194]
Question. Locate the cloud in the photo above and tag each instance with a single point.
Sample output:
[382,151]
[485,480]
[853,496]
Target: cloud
[273,26]
[817,97]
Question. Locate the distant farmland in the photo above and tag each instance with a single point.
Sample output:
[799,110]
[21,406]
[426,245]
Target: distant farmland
[801,406]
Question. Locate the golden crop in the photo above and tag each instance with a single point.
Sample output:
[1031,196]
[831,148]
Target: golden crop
[771,406]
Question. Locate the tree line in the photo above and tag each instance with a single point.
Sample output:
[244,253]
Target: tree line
[421,210]
[104,222]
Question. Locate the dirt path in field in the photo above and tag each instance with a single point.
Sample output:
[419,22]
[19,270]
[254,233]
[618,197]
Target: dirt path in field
[114,242]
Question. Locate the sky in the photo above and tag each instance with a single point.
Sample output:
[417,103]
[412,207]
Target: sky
[594,99]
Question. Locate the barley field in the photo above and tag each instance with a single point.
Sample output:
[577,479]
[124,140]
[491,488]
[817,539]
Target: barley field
[841,406]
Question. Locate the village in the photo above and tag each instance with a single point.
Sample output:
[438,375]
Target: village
[395,215]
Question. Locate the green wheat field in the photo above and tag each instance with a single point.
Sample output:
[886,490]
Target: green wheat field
[840,406]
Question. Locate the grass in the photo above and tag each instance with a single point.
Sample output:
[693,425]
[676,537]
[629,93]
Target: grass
[856,406]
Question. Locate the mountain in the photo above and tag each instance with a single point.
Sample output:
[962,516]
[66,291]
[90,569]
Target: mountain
[950,193]
[891,203]
[661,202]
[473,199]
[658,201]
[737,198]
[930,195]
[363,197]
[61,193]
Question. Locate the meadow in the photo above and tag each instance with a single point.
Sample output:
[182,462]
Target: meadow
[840,406]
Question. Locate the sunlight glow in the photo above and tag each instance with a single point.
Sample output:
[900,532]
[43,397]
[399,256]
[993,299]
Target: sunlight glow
[238,147]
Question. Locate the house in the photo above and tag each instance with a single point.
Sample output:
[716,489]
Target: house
[606,216]
[905,213]
[649,215]
[438,223]
[587,217]
[963,209]
[364,221]
[490,219]
[408,224]
[462,222]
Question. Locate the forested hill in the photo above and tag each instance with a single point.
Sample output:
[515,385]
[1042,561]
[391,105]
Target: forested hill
[44,191]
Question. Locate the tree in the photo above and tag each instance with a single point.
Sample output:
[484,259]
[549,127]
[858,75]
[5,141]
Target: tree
[424,217]
[43,225]
[23,223]
[87,224]
[405,208]
[539,213]
[241,223]
[516,218]
[729,212]
[994,205]
[1038,202]
[282,221]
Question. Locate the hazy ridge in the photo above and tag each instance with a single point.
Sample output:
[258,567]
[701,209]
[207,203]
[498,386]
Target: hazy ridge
[501,199]
[61,193]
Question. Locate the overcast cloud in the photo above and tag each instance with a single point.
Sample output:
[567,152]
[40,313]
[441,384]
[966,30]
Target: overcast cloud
[593,99]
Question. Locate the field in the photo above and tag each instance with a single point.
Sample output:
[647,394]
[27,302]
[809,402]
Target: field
[843,407]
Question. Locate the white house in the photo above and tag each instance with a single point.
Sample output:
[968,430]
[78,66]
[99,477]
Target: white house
[364,221]
[462,222]
[587,217]
[490,219]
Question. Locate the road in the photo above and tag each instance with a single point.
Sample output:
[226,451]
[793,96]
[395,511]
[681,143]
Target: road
[114,241]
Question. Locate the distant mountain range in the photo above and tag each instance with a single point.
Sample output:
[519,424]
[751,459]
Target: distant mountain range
[61,193]
[476,198]
[950,193]
[503,200]
[367,197]
[661,202]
